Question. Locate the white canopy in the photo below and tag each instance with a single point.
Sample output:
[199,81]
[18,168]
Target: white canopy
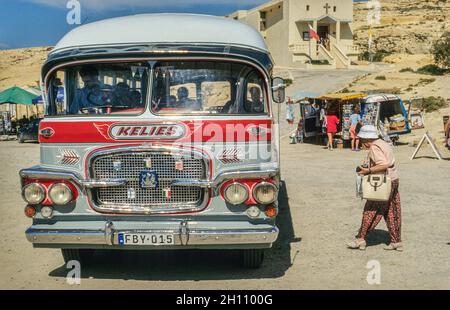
[380,98]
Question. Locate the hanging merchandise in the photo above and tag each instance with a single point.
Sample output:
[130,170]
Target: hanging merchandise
[370,114]
[347,110]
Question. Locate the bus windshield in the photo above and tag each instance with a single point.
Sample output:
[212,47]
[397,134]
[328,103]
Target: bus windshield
[178,87]
[118,88]
[207,87]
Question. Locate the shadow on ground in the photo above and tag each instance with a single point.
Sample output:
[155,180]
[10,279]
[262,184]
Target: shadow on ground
[377,236]
[193,265]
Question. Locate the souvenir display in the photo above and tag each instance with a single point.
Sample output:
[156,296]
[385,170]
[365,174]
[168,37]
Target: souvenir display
[370,113]
[347,110]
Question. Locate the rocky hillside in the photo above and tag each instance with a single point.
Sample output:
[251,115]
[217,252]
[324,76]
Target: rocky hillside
[21,67]
[407,26]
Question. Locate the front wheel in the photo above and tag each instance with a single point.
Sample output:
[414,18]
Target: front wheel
[81,255]
[252,258]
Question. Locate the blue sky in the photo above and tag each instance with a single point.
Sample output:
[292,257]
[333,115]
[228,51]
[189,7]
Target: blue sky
[27,23]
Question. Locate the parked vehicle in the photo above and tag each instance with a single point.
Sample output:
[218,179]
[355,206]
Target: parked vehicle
[29,132]
[386,111]
[164,139]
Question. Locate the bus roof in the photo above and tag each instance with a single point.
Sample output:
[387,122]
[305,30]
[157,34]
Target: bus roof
[162,28]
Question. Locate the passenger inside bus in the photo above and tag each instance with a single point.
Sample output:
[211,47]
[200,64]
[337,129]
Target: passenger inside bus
[122,96]
[91,94]
[185,102]
[255,105]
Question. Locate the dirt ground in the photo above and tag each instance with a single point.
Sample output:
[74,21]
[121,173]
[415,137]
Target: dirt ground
[319,214]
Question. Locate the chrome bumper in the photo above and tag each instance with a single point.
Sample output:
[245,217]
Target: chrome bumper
[183,237]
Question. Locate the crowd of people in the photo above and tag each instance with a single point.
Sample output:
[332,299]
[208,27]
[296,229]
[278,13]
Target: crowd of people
[11,126]
[328,123]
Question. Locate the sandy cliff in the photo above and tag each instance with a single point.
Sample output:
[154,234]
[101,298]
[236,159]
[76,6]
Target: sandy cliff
[21,67]
[407,26]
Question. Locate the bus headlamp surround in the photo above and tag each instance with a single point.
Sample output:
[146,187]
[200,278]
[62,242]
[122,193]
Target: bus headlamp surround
[33,193]
[236,193]
[60,194]
[265,193]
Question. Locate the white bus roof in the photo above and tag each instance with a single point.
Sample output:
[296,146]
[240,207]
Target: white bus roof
[380,97]
[162,28]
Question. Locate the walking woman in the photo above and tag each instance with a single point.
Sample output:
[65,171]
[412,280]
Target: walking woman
[332,123]
[381,157]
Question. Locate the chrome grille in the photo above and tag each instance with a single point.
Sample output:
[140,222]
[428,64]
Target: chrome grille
[132,163]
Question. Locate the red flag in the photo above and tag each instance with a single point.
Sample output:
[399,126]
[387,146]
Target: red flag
[313,34]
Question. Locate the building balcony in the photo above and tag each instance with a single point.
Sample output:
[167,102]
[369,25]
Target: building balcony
[299,48]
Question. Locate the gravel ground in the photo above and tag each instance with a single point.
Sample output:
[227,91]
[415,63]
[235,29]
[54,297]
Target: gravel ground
[318,215]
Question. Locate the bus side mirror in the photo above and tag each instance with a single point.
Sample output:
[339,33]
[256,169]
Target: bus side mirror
[278,90]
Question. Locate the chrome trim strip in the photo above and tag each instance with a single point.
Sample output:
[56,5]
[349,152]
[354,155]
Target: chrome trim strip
[244,174]
[39,172]
[195,237]
[104,183]
[192,183]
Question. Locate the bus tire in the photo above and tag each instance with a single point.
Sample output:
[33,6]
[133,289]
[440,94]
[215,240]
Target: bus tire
[81,255]
[252,258]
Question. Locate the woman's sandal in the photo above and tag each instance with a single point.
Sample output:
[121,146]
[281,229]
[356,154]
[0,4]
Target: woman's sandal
[357,245]
[394,247]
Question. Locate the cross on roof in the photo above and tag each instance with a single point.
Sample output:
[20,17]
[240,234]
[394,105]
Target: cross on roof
[327,7]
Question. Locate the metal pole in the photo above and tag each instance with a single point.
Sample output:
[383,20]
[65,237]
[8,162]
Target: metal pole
[310,61]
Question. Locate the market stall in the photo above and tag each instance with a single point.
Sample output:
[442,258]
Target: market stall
[313,110]
[18,102]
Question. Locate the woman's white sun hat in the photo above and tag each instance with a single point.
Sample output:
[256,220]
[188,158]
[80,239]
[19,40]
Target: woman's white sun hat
[368,132]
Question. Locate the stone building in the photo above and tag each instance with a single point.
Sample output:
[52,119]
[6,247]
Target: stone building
[285,26]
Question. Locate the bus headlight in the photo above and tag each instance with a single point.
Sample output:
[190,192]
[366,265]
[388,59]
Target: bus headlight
[33,193]
[236,193]
[60,194]
[265,193]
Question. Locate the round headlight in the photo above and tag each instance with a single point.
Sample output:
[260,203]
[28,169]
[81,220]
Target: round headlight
[236,193]
[60,194]
[265,193]
[33,193]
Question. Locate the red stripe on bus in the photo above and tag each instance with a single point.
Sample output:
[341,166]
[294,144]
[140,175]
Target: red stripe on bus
[194,131]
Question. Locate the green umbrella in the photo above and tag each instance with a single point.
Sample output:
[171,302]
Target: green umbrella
[16,95]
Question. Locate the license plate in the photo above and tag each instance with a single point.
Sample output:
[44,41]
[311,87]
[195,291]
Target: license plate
[146,239]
